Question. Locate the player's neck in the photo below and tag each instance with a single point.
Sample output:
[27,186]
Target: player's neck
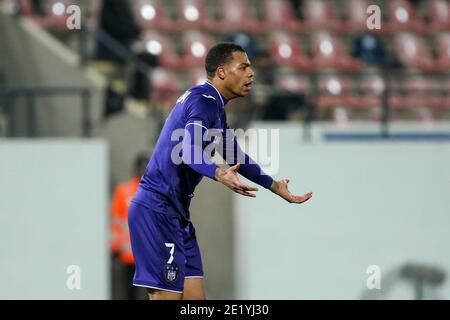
[221,88]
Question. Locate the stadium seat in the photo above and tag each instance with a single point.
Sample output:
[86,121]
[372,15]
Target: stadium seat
[356,17]
[151,14]
[197,76]
[236,15]
[412,52]
[446,96]
[443,51]
[403,17]
[292,82]
[329,53]
[14,6]
[425,96]
[437,96]
[438,16]
[417,97]
[371,89]
[159,45]
[195,45]
[193,14]
[164,85]
[319,15]
[279,14]
[417,91]
[334,91]
[287,52]
[55,15]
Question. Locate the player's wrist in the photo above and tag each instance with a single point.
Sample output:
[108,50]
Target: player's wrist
[274,187]
[218,174]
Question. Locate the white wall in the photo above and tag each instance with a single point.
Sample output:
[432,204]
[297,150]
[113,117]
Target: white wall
[53,214]
[375,203]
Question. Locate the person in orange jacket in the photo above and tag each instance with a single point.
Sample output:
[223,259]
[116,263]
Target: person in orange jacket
[120,237]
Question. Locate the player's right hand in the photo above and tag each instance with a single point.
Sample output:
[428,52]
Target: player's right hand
[230,178]
[281,188]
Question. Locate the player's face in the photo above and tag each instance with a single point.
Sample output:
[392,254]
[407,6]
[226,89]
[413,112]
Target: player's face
[239,75]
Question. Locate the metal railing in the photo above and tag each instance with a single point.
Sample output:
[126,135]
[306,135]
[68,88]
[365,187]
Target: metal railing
[10,94]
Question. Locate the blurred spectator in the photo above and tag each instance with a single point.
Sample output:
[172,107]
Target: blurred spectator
[264,81]
[272,104]
[38,7]
[245,41]
[415,3]
[282,104]
[114,98]
[140,83]
[370,49]
[116,19]
[120,237]
[297,6]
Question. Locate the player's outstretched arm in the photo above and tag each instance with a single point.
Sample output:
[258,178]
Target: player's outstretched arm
[281,188]
[229,178]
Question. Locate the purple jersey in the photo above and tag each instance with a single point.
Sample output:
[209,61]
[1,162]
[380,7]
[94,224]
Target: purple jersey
[199,108]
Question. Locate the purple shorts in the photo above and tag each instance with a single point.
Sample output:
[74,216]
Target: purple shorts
[164,246]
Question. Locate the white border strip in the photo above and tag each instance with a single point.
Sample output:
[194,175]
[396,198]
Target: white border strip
[144,286]
[196,124]
[188,277]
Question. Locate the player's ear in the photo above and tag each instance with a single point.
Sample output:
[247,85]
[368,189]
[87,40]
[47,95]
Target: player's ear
[221,73]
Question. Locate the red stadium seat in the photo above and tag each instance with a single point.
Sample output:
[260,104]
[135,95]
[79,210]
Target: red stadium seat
[438,16]
[335,91]
[287,52]
[371,90]
[356,11]
[443,51]
[446,96]
[279,14]
[319,14]
[150,14]
[195,46]
[197,76]
[25,7]
[165,85]
[55,13]
[424,96]
[436,94]
[419,97]
[236,15]
[413,53]
[329,53]
[403,17]
[356,15]
[292,82]
[418,90]
[193,14]
[159,45]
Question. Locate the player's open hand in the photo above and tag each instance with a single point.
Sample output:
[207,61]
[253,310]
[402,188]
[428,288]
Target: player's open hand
[229,177]
[281,188]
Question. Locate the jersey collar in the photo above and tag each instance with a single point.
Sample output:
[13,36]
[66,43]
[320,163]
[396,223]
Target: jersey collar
[222,98]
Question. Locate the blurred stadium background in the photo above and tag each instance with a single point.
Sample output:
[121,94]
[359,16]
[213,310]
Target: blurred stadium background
[364,120]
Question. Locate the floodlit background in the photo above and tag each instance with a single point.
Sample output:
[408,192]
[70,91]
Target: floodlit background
[356,91]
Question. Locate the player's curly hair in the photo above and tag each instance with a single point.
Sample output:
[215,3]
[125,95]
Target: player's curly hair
[219,55]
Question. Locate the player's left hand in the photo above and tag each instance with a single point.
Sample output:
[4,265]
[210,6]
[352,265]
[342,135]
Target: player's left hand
[281,188]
